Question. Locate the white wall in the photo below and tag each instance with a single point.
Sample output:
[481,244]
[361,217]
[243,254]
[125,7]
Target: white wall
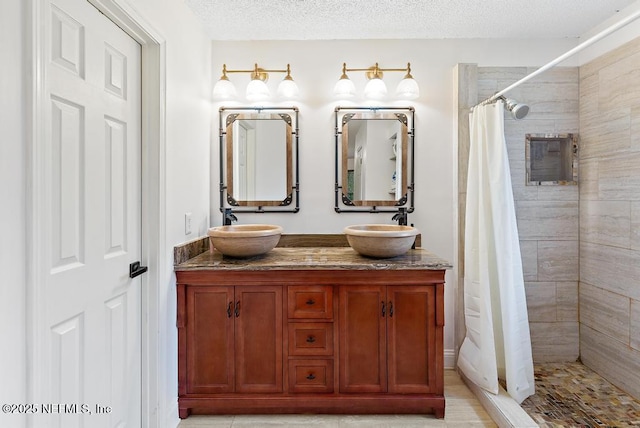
[316,65]
[12,212]
[188,137]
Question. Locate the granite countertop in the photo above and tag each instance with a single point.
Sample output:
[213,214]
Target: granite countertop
[320,258]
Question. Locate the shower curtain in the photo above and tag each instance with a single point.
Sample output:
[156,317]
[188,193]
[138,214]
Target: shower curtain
[497,343]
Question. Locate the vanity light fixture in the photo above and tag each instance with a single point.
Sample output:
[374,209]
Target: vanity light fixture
[257,89]
[376,89]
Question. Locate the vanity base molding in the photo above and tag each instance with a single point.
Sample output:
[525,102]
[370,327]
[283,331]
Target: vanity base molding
[313,404]
[361,336]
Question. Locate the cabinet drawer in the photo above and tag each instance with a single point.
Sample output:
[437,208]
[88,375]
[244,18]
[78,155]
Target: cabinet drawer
[307,339]
[309,301]
[311,376]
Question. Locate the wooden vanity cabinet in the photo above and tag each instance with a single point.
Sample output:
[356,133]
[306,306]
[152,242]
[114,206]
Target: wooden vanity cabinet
[393,329]
[233,339]
[310,341]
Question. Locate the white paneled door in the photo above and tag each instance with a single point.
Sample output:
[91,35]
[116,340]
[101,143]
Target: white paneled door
[87,318]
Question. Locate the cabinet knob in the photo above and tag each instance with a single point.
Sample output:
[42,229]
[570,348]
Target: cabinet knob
[391,309]
[311,302]
[311,339]
[311,376]
[383,308]
[237,308]
[229,309]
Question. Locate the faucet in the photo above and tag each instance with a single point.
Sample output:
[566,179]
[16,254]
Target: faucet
[228,217]
[401,216]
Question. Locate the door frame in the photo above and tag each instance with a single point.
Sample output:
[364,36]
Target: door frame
[153,177]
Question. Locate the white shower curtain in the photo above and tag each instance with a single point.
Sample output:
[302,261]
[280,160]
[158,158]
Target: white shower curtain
[497,343]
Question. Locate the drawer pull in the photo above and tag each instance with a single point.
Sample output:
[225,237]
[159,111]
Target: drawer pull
[311,339]
[311,376]
[383,309]
[237,308]
[229,310]
[391,309]
[311,302]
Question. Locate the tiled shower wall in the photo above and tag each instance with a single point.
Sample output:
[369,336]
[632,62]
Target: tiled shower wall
[610,216]
[547,216]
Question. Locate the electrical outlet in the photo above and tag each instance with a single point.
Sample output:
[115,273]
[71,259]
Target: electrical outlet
[187,223]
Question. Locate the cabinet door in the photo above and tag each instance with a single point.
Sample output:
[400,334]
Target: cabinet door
[258,346]
[363,365]
[209,327]
[411,326]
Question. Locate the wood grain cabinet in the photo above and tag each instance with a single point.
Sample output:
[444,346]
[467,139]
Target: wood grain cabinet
[393,329]
[310,341]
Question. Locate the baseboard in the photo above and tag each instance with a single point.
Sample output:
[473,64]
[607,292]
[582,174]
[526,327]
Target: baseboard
[503,409]
[449,359]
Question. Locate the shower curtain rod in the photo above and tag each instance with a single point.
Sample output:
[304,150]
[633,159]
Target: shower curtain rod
[581,46]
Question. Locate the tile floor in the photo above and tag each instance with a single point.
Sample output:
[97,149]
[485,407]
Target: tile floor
[462,411]
[572,395]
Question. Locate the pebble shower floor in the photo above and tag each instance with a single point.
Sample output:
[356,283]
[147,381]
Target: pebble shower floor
[572,395]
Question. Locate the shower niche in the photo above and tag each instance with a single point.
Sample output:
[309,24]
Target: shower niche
[551,159]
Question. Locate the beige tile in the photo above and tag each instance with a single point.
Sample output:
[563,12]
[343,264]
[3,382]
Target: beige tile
[597,351]
[521,192]
[558,261]
[635,128]
[611,133]
[556,220]
[390,421]
[619,177]
[611,268]
[554,341]
[634,333]
[567,192]
[606,222]
[541,301]
[206,421]
[635,226]
[529,253]
[567,301]
[615,87]
[289,421]
[588,179]
[464,410]
[604,311]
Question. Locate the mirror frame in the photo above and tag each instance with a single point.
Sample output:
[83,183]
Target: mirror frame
[343,115]
[228,115]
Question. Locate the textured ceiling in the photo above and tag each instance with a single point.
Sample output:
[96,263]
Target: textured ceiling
[400,19]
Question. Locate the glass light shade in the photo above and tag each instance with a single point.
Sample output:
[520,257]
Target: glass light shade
[224,90]
[375,89]
[257,90]
[344,88]
[408,89]
[287,89]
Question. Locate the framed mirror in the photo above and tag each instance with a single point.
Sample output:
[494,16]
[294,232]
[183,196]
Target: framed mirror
[259,159]
[374,159]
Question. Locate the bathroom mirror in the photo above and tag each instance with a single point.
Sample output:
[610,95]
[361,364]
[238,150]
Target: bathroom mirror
[374,158]
[258,158]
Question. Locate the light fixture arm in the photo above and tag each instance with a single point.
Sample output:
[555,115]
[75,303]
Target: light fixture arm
[376,69]
[257,72]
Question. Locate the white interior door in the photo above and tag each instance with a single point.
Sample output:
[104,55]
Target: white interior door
[87,355]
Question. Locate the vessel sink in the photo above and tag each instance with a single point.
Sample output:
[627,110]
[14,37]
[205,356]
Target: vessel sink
[381,240]
[245,240]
